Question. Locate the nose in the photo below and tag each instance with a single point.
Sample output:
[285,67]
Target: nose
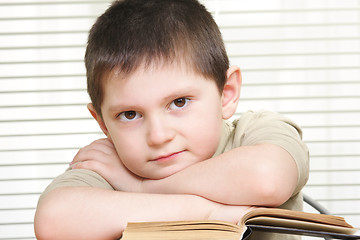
[159,131]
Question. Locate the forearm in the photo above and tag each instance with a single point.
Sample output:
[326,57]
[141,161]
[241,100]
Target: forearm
[262,175]
[93,213]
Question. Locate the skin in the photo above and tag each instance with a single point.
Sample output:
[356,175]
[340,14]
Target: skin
[161,148]
[163,131]
[158,155]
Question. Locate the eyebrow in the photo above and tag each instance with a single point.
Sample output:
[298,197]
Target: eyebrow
[116,107]
[186,91]
[181,93]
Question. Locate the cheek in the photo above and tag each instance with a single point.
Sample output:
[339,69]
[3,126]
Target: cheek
[128,147]
[205,136]
[130,156]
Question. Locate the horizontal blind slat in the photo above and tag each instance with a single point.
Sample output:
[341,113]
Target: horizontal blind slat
[300,59]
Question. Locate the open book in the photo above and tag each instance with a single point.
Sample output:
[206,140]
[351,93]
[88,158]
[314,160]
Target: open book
[260,219]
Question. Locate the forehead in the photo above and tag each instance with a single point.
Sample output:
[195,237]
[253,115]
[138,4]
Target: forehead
[154,75]
[153,85]
[159,68]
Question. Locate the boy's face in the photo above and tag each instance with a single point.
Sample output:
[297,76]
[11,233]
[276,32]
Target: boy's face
[162,119]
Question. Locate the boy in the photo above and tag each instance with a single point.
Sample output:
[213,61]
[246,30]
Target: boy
[161,87]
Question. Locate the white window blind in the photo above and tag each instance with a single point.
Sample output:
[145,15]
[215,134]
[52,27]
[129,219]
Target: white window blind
[300,58]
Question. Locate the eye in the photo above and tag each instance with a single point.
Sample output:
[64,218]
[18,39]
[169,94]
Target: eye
[179,103]
[128,116]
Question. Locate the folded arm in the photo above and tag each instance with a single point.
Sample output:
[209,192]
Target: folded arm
[263,175]
[94,213]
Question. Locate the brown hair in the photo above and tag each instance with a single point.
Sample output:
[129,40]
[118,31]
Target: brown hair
[132,32]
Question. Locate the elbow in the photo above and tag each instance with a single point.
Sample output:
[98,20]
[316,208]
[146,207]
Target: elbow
[64,214]
[51,217]
[277,179]
[43,224]
[45,221]
[271,195]
[42,229]
[276,190]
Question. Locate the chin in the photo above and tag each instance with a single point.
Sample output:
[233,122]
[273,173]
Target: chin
[165,172]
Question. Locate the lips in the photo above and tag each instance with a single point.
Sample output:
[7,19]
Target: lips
[167,157]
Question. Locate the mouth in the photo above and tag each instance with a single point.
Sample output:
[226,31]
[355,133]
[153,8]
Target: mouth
[167,157]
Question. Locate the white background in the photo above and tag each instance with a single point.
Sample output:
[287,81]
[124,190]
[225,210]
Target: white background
[299,57]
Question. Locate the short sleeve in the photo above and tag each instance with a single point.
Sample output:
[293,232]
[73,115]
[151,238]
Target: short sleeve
[269,127]
[77,178]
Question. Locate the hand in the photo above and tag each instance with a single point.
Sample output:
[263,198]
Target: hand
[101,157]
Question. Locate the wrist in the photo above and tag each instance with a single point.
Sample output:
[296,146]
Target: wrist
[229,213]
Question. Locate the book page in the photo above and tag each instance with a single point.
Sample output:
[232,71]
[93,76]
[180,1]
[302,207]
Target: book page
[187,230]
[291,223]
[296,215]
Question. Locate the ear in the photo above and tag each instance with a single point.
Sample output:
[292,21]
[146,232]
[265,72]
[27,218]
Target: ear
[98,118]
[231,92]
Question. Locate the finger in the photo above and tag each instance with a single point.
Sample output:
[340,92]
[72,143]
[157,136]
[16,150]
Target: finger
[98,145]
[80,152]
[98,167]
[90,165]
[103,145]
[107,141]
[89,154]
